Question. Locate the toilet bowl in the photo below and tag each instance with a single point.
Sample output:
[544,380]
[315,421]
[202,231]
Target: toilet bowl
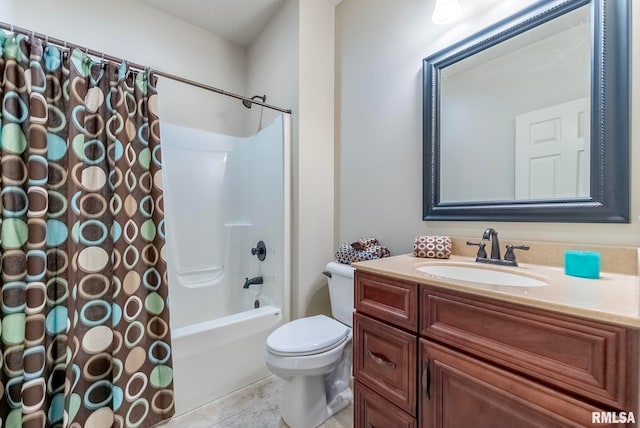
[313,356]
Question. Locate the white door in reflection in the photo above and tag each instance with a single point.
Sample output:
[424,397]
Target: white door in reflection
[552,152]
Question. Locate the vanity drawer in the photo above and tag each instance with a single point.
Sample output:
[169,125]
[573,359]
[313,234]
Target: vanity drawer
[385,360]
[389,299]
[591,359]
[371,410]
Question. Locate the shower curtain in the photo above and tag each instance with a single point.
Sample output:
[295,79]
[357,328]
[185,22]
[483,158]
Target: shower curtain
[84,323]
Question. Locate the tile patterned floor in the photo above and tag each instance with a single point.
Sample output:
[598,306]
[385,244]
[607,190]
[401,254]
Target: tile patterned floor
[256,406]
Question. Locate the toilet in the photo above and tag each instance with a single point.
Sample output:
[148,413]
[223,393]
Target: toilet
[313,356]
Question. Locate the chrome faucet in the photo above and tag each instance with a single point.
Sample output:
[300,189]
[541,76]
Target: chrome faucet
[252,281]
[490,233]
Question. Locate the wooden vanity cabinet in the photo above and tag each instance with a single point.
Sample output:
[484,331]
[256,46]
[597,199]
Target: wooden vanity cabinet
[385,337]
[431,357]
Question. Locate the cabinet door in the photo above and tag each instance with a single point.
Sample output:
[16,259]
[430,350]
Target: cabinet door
[461,391]
[384,359]
[373,411]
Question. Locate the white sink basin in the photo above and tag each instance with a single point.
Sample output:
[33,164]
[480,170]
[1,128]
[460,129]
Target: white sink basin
[481,275]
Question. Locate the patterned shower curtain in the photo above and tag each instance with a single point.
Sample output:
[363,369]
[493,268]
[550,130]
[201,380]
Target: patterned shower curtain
[84,322]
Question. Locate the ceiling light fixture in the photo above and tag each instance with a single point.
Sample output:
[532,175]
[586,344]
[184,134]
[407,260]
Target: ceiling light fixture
[446,11]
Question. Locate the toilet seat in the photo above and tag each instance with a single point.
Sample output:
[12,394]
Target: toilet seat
[307,336]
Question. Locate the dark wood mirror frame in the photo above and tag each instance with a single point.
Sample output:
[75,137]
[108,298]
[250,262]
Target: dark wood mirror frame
[610,121]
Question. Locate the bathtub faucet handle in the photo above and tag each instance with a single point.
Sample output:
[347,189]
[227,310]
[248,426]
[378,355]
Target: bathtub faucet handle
[260,251]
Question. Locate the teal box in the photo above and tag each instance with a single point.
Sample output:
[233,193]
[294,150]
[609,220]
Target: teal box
[584,264]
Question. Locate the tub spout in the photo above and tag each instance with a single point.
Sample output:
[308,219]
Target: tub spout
[252,281]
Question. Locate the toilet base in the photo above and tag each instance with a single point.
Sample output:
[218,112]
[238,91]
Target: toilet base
[316,386]
[304,402]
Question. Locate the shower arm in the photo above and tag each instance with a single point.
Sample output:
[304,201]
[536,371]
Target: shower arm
[249,103]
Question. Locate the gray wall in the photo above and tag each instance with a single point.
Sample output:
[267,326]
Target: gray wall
[380,45]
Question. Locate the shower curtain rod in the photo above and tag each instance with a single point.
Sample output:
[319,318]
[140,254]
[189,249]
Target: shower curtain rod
[110,58]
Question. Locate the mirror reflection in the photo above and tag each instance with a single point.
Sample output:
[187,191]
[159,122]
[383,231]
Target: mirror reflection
[514,118]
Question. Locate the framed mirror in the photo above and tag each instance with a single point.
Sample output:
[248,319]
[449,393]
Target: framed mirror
[528,120]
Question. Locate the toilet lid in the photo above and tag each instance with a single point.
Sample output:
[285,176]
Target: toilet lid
[307,335]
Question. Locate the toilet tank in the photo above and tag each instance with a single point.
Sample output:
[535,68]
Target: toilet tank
[341,291]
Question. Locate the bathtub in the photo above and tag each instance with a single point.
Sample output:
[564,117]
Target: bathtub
[235,342]
[219,339]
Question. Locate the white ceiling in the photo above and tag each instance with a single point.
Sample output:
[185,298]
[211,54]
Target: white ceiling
[238,21]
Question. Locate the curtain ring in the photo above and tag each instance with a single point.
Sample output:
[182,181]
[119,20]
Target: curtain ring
[12,29]
[46,40]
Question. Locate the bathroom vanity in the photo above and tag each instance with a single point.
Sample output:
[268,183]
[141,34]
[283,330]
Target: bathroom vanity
[437,352]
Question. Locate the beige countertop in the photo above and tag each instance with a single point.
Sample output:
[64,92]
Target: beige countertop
[614,298]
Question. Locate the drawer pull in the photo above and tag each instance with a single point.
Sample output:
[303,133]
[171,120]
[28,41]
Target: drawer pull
[380,359]
[426,377]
